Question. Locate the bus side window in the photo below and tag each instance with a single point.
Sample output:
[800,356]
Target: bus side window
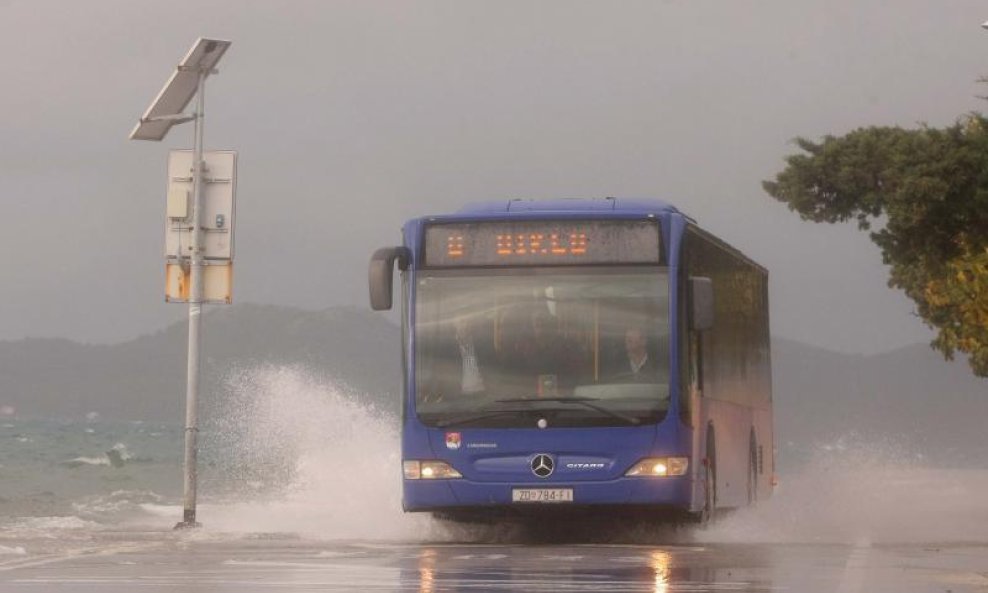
[684,358]
[696,362]
[689,376]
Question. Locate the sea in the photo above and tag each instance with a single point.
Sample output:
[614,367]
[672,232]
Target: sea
[289,451]
[283,450]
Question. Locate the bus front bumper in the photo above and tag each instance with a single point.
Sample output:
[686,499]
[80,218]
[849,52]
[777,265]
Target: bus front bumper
[439,495]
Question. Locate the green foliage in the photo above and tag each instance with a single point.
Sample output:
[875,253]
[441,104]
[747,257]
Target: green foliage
[923,195]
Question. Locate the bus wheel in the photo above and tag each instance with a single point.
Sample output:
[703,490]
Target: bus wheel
[752,471]
[709,481]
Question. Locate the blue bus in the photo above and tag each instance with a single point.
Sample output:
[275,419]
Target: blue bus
[589,355]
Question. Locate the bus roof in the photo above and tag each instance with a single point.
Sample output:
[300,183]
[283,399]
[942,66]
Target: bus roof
[643,205]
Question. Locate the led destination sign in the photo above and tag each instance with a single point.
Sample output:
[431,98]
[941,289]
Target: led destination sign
[532,242]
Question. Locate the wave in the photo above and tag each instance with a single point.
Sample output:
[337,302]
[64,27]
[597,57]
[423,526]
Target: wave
[117,456]
[46,527]
[81,461]
[12,551]
[116,507]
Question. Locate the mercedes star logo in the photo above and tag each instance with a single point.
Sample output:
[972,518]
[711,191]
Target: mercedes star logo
[542,465]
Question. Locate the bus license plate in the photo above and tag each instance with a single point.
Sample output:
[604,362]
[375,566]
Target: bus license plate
[542,495]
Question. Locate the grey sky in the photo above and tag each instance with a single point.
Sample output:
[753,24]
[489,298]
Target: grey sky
[352,116]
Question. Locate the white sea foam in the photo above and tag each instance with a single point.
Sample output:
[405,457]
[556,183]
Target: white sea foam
[12,551]
[122,450]
[164,511]
[80,461]
[55,523]
[46,527]
[114,506]
[117,450]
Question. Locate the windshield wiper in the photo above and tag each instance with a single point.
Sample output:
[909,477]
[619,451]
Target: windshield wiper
[586,402]
[477,416]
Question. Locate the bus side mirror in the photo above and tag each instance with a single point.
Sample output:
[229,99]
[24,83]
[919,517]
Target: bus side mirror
[380,274]
[702,302]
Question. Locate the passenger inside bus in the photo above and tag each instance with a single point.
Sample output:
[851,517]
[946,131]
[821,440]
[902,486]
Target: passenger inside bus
[462,362]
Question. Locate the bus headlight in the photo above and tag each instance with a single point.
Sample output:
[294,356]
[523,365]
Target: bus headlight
[659,467]
[429,470]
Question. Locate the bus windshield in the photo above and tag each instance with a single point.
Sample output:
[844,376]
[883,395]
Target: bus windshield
[511,347]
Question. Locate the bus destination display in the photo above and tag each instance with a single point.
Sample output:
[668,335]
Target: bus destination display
[533,242]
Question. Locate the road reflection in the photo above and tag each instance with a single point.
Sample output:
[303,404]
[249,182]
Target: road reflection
[247,565]
[617,568]
[427,577]
[661,561]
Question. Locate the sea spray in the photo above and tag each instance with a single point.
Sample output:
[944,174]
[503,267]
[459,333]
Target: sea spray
[298,452]
[295,451]
[857,489]
[287,449]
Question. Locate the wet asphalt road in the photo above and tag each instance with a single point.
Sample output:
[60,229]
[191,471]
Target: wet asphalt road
[153,562]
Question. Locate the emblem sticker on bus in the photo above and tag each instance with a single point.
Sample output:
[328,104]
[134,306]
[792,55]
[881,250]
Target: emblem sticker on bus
[453,440]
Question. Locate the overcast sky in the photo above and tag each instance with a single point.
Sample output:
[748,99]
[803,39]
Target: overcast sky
[353,116]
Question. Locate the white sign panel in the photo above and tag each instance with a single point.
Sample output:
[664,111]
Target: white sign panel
[219,195]
[217,283]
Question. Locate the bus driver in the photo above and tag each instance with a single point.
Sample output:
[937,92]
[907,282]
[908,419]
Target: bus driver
[638,366]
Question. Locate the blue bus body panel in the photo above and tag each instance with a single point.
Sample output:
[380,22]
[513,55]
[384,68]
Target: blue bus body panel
[641,206]
[423,495]
[591,461]
[506,454]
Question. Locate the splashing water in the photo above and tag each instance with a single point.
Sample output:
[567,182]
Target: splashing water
[861,491]
[296,452]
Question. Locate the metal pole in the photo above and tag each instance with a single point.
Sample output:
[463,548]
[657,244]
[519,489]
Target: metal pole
[195,316]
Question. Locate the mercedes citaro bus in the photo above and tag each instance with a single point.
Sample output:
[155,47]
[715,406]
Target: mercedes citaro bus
[590,355]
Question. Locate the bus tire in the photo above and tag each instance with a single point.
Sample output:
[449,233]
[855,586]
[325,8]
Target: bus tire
[709,480]
[752,470]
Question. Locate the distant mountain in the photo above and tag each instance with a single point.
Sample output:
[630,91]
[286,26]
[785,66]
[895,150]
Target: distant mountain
[145,378]
[908,402]
[908,397]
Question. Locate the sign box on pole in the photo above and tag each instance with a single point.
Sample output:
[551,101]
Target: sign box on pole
[219,192]
[219,186]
